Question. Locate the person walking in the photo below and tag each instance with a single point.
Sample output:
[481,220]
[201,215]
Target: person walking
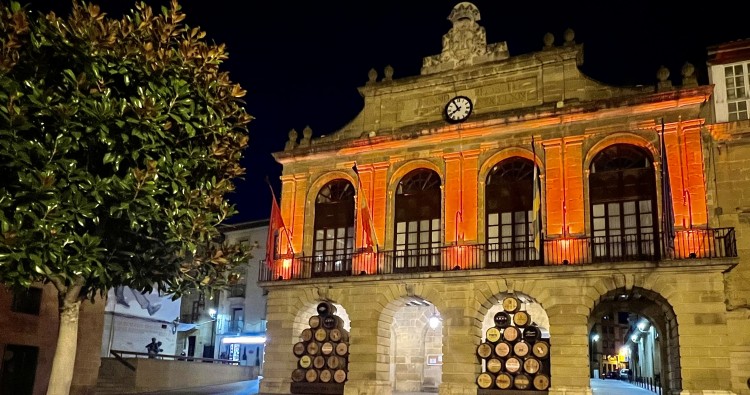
[153,348]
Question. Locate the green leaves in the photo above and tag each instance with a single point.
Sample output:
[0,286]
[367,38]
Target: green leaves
[119,140]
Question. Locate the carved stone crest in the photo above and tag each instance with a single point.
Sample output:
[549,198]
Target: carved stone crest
[465,43]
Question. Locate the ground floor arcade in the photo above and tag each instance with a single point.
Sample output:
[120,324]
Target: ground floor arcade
[416,331]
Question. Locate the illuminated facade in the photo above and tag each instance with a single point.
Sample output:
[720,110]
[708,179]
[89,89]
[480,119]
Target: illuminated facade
[439,220]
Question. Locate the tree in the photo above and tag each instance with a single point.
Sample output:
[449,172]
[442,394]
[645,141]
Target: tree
[119,139]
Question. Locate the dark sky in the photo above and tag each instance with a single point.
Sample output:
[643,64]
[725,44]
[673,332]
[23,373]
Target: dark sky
[302,61]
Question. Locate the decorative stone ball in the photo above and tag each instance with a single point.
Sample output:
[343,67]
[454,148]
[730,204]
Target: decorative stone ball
[549,39]
[662,74]
[570,35]
[688,69]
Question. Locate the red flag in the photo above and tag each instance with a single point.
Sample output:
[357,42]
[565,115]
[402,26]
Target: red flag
[364,211]
[275,228]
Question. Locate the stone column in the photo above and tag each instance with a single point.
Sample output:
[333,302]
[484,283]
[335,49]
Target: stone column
[279,359]
[461,336]
[369,344]
[569,351]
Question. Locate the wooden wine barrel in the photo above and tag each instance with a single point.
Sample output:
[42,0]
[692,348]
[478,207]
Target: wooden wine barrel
[325,376]
[504,381]
[540,349]
[484,350]
[485,380]
[333,321]
[503,349]
[299,349]
[338,335]
[531,334]
[511,304]
[321,334]
[314,321]
[521,349]
[494,365]
[339,376]
[305,362]
[342,349]
[319,362]
[311,375]
[521,319]
[493,334]
[306,335]
[326,308]
[313,348]
[511,334]
[513,365]
[326,348]
[532,365]
[298,375]
[336,362]
[522,382]
[502,319]
[541,382]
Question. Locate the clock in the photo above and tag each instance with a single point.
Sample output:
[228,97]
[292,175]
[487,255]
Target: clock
[458,109]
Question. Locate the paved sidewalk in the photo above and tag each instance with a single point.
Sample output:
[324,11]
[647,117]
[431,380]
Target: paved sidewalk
[616,387]
[240,388]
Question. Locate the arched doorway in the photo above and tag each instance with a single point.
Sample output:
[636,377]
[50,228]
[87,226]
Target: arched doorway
[633,335]
[417,233]
[416,346]
[622,192]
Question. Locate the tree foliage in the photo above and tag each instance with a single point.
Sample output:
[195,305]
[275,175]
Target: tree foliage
[119,139]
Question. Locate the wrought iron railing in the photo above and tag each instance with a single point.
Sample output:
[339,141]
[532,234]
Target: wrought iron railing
[687,244]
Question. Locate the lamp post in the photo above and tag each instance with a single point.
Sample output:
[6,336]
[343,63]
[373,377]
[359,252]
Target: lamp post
[594,359]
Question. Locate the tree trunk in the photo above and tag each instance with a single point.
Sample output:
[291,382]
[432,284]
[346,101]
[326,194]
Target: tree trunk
[67,343]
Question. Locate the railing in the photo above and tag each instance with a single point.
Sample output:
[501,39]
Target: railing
[225,326]
[121,354]
[687,244]
[237,291]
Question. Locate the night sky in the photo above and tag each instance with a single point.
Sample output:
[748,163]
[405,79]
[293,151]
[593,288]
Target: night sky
[302,61]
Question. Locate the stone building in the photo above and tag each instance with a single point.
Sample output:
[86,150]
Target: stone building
[422,214]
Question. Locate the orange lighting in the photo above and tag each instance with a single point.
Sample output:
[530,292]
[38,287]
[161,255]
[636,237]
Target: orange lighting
[457,258]
[365,262]
[566,251]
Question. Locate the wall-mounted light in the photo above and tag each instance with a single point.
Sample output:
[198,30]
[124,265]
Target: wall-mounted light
[595,337]
[175,324]
[212,313]
[434,320]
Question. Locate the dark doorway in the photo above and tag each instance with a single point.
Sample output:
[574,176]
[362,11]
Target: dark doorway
[19,370]
[191,346]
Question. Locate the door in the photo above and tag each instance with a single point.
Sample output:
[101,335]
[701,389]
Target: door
[19,370]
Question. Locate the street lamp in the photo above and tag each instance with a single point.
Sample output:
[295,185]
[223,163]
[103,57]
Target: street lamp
[594,359]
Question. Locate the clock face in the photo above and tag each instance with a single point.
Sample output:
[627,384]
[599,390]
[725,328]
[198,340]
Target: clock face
[458,109]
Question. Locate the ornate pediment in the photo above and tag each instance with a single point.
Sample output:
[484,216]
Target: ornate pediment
[465,43]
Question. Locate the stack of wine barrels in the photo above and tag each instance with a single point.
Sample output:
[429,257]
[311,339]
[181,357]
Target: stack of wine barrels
[323,349]
[514,354]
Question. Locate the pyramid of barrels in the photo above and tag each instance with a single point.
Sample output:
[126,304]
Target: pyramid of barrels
[323,349]
[514,355]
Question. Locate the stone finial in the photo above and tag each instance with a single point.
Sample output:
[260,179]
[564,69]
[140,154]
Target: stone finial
[306,136]
[688,76]
[569,36]
[664,83]
[372,76]
[292,142]
[388,73]
[549,40]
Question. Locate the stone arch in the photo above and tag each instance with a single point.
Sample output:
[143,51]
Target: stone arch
[398,172]
[484,169]
[617,138]
[312,193]
[391,301]
[632,295]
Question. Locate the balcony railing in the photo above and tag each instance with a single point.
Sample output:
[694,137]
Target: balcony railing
[225,326]
[687,244]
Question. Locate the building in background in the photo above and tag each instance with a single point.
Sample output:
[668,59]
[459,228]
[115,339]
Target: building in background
[490,176]
[132,318]
[230,324]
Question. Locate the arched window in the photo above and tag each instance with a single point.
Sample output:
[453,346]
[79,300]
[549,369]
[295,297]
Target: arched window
[622,192]
[334,229]
[417,231]
[509,213]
